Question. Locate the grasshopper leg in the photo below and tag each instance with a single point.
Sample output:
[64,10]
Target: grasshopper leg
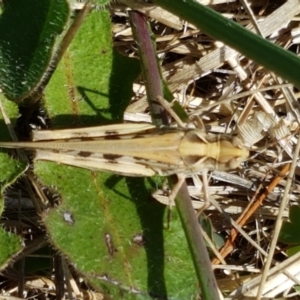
[168,107]
[181,180]
[176,188]
[205,191]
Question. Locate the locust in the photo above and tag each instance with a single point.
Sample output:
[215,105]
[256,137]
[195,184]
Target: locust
[136,149]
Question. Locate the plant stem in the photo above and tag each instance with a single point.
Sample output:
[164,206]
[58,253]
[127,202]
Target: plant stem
[183,201]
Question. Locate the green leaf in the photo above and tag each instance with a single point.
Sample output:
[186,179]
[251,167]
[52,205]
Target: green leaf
[293,250]
[297,288]
[11,169]
[28,31]
[10,245]
[113,232]
[107,225]
[93,83]
[289,233]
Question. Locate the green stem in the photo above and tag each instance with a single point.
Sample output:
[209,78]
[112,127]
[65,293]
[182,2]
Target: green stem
[149,64]
[183,202]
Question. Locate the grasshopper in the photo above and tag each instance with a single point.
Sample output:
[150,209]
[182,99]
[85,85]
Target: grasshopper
[136,149]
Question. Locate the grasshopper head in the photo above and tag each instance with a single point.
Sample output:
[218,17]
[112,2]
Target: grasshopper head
[232,153]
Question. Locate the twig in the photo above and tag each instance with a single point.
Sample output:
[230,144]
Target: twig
[249,211]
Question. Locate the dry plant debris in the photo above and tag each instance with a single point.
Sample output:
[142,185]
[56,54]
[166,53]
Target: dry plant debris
[231,94]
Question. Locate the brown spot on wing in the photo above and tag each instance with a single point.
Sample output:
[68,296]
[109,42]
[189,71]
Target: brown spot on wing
[111,157]
[84,153]
[138,158]
[87,139]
